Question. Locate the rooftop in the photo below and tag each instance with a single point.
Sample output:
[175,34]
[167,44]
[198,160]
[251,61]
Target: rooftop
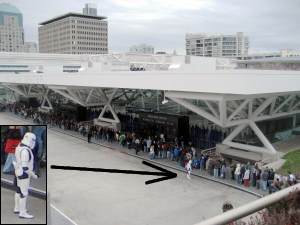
[5,7]
[79,15]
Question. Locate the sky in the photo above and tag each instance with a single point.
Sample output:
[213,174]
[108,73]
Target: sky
[270,24]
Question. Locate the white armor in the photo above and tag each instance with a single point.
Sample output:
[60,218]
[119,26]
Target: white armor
[23,171]
[189,169]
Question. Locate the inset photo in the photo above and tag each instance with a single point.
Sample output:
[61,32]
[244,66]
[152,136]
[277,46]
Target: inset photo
[23,174]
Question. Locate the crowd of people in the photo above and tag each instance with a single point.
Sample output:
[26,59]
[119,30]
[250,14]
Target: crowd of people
[158,147]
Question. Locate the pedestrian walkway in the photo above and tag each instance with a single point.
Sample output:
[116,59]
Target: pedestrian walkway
[166,162]
[36,206]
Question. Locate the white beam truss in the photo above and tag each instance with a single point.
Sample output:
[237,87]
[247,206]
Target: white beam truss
[27,91]
[241,111]
[89,97]
[108,106]
[46,100]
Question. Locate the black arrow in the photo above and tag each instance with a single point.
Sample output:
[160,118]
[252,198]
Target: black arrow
[165,173]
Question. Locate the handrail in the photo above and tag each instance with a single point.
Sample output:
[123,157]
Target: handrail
[249,208]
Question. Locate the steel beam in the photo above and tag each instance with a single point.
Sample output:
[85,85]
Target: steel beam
[197,110]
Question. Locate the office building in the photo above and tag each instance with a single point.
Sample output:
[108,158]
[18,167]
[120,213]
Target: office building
[74,33]
[217,45]
[11,29]
[90,9]
[283,53]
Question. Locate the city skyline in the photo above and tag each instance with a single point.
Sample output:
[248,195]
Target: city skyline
[270,25]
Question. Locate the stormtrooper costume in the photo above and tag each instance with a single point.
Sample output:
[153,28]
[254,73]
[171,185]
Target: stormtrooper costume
[189,169]
[23,171]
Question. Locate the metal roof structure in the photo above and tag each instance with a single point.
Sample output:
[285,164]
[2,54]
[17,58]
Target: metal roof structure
[72,14]
[209,87]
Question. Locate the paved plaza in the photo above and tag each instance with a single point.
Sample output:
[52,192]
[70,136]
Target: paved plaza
[104,198]
[36,206]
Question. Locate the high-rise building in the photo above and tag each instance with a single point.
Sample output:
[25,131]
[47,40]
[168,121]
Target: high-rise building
[142,49]
[217,46]
[74,33]
[11,29]
[90,9]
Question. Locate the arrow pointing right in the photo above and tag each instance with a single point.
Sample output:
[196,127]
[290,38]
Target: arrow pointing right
[165,173]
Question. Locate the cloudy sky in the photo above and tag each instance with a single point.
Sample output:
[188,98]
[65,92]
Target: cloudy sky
[270,24]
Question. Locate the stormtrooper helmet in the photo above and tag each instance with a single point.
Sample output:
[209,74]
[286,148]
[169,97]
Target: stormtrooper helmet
[29,140]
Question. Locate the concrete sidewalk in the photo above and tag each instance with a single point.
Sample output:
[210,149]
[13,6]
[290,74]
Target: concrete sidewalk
[168,163]
[36,206]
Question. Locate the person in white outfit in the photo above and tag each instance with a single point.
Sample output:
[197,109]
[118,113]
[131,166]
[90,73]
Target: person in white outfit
[23,171]
[189,169]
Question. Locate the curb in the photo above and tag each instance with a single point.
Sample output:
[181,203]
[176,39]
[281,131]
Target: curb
[32,191]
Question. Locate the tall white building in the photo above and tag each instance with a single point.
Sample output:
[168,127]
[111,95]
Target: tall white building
[217,45]
[90,9]
[11,29]
[142,49]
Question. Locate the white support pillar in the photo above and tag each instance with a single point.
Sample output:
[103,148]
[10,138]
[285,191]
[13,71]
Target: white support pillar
[108,105]
[11,97]
[262,137]
[48,101]
[223,112]
[267,149]
[250,108]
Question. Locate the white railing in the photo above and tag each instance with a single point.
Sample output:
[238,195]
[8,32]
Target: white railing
[252,207]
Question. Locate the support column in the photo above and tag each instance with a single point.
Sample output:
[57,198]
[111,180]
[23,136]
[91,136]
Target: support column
[108,105]
[46,99]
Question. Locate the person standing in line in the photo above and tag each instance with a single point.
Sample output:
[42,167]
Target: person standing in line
[193,152]
[246,177]
[223,169]
[137,145]
[144,142]
[264,177]
[237,173]
[189,169]
[254,176]
[152,153]
[202,162]
[169,151]
[258,174]
[232,169]
[243,169]
[176,153]
[89,136]
[171,147]
[216,168]
[271,177]
[149,143]
[122,140]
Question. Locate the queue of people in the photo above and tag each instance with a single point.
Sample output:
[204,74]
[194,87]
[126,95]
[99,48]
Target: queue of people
[157,147]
